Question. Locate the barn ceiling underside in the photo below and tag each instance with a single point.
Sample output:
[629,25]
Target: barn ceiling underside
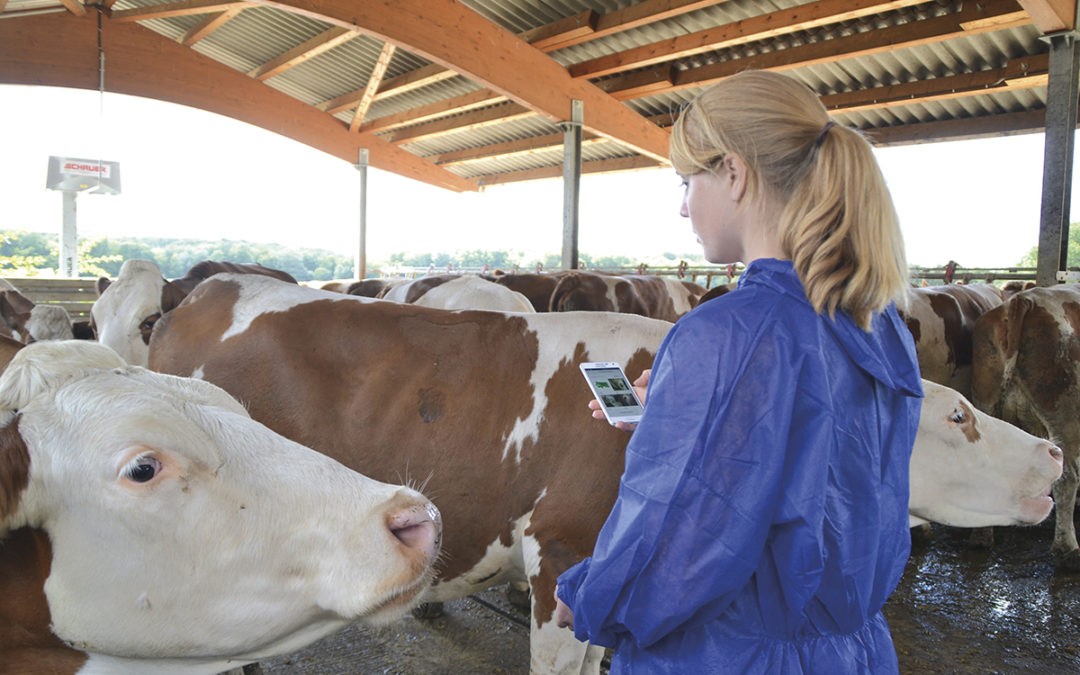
[476,93]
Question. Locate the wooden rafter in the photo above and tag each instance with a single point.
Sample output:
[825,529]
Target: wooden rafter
[1051,16]
[323,42]
[507,112]
[377,73]
[144,63]
[183,8]
[74,6]
[970,20]
[593,166]
[530,78]
[524,146]
[752,29]
[566,32]
[482,98]
[208,25]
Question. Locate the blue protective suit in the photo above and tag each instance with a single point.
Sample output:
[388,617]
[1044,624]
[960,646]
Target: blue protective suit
[762,516]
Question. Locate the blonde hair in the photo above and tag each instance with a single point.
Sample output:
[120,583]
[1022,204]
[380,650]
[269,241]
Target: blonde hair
[838,223]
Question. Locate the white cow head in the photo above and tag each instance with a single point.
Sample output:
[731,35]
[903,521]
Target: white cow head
[127,308]
[184,531]
[969,469]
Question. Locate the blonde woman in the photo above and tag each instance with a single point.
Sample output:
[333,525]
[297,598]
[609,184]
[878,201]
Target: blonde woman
[762,518]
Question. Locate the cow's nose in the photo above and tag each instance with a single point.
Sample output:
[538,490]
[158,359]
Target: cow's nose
[1056,455]
[418,527]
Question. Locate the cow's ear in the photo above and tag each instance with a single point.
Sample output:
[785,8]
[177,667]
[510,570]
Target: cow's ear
[101,284]
[15,309]
[14,470]
[171,296]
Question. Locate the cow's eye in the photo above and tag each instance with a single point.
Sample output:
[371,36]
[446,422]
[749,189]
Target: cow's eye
[143,469]
[957,416]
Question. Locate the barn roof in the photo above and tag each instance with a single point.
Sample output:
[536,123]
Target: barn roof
[475,93]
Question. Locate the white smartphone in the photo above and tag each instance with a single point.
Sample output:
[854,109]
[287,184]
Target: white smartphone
[611,387]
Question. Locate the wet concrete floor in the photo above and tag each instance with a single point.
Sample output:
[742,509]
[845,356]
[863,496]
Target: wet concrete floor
[958,609]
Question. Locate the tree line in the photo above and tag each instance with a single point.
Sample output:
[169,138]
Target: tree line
[24,253]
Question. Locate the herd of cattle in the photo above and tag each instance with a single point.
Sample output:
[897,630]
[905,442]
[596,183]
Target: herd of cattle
[255,457]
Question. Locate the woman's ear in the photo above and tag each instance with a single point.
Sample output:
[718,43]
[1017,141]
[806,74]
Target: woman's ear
[736,170]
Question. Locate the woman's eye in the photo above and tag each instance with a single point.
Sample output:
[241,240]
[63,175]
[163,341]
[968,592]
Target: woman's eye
[957,416]
[143,469]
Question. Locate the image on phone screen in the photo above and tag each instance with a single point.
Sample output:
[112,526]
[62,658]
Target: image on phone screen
[611,387]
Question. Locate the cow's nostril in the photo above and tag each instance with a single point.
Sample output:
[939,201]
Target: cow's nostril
[1056,454]
[418,527]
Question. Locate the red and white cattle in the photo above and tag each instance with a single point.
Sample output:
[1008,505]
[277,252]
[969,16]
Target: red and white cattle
[458,291]
[537,287]
[1027,371]
[126,309]
[941,320]
[28,322]
[646,295]
[148,524]
[489,411]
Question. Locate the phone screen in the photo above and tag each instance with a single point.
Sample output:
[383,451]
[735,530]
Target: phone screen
[614,392]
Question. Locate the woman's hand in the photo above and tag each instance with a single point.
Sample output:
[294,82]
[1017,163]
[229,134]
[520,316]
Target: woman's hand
[564,617]
[640,385]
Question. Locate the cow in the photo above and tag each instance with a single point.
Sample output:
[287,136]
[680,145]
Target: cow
[647,295]
[537,287]
[1027,371]
[458,291]
[126,309]
[489,409]
[941,320]
[148,524]
[28,322]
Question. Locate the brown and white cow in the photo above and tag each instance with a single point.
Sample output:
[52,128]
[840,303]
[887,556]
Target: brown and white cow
[148,524]
[646,295]
[490,412]
[941,320]
[1027,371]
[458,291]
[29,322]
[536,286]
[126,309]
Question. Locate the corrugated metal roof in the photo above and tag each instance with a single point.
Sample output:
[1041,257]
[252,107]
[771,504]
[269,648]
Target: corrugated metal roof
[450,123]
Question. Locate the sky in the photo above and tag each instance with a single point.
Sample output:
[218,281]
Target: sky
[187,173]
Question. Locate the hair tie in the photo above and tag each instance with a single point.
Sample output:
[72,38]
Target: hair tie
[821,135]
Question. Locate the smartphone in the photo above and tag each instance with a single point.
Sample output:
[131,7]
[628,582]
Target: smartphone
[611,387]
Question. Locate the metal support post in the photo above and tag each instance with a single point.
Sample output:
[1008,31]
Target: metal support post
[571,183]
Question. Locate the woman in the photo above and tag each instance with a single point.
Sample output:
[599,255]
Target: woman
[762,517]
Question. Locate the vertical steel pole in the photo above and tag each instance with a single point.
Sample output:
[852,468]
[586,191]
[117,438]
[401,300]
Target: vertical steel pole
[1061,109]
[360,268]
[69,237]
[571,183]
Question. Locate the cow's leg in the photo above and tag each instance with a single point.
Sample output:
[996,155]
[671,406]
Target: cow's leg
[555,650]
[1065,544]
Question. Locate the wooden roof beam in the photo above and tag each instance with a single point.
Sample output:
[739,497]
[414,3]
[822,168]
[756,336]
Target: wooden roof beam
[377,73]
[478,119]
[974,18]
[208,25]
[524,146]
[74,6]
[594,166]
[309,49]
[182,8]
[144,63]
[1024,73]
[482,98]
[752,29]
[1051,16]
[562,34]
[482,51]
[414,79]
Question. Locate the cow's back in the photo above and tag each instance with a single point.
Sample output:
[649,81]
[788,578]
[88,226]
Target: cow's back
[487,411]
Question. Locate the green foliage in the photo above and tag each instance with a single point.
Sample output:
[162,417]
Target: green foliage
[1072,257]
[32,253]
